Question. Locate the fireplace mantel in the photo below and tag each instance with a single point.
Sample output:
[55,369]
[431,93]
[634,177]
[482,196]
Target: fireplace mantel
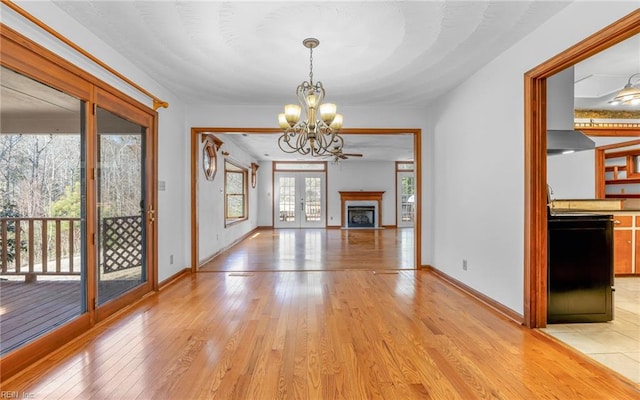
[359,196]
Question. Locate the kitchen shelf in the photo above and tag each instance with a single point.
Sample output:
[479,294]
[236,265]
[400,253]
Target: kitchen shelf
[622,181]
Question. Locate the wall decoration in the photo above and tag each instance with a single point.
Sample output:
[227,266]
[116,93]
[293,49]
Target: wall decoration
[210,155]
[254,168]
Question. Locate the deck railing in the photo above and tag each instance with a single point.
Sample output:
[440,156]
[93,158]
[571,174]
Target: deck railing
[41,246]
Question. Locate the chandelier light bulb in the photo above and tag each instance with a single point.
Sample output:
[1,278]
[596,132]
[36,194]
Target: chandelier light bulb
[292,113]
[282,121]
[336,124]
[328,112]
[312,101]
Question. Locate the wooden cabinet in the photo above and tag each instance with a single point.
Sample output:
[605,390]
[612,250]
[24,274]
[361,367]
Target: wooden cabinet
[626,244]
[622,251]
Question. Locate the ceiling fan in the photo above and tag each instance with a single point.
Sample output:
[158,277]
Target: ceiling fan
[337,155]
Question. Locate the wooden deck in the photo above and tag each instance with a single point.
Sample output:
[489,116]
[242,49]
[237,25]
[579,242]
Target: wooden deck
[29,309]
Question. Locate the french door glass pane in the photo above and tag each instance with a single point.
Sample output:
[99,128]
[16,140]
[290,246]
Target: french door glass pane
[287,199]
[407,198]
[313,197]
[42,209]
[121,206]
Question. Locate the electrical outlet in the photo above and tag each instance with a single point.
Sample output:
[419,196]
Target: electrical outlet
[464,265]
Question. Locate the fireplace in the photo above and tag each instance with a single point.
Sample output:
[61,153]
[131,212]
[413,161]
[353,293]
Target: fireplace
[361,216]
[361,209]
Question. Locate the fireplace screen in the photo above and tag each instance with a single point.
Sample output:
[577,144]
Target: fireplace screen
[361,217]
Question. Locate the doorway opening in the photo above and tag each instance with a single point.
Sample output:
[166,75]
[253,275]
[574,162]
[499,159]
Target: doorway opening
[196,162]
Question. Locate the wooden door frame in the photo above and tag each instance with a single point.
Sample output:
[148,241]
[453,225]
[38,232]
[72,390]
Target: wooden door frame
[195,170]
[535,104]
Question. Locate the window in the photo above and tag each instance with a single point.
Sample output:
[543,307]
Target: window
[235,193]
[404,165]
[300,166]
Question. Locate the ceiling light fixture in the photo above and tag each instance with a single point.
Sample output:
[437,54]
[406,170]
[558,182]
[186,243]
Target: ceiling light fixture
[629,95]
[314,136]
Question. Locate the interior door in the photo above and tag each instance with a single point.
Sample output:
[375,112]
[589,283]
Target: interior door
[300,200]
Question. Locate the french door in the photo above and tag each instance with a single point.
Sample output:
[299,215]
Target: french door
[406,200]
[300,200]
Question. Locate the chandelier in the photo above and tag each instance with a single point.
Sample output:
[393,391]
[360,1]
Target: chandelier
[629,95]
[318,135]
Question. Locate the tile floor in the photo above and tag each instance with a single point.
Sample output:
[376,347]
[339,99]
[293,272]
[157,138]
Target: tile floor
[615,344]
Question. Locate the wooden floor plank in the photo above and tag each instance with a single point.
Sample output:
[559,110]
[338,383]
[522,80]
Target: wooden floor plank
[348,334]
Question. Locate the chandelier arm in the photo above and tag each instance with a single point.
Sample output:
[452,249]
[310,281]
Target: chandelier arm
[298,133]
[319,88]
[301,93]
[328,144]
[336,138]
[303,144]
[285,138]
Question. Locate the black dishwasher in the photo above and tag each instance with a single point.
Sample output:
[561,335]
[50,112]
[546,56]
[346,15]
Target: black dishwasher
[580,268]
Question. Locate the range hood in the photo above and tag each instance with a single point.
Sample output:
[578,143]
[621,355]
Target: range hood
[563,141]
[561,136]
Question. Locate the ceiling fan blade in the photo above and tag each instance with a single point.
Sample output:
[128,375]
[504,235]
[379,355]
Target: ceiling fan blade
[353,154]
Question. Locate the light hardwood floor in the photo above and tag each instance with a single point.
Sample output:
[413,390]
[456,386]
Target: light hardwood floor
[319,250]
[352,334]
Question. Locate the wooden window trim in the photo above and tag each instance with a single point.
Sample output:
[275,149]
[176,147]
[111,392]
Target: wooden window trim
[237,169]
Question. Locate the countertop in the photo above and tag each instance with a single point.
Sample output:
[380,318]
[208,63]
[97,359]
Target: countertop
[595,206]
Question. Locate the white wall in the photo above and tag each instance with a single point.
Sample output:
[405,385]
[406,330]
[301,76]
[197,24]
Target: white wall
[264,193]
[479,157]
[214,236]
[361,175]
[347,175]
[572,176]
[173,212]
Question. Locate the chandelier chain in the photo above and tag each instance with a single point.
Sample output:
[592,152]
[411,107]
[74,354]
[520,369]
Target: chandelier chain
[311,66]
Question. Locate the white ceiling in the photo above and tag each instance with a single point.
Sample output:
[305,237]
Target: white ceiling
[599,78]
[247,53]
[371,53]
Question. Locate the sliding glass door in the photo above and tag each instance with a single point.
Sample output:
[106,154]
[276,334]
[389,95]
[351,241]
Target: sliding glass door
[121,205]
[77,196]
[42,212]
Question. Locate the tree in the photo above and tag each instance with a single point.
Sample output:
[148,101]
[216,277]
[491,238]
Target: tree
[9,211]
[68,205]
